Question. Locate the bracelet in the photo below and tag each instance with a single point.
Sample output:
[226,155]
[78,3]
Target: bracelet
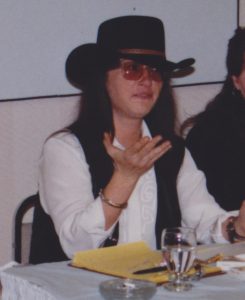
[111,203]
[233,236]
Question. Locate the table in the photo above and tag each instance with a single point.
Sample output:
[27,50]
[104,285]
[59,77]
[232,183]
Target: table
[59,281]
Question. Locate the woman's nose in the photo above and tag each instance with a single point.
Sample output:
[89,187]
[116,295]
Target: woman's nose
[146,75]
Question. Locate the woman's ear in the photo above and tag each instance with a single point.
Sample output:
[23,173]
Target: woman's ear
[236,82]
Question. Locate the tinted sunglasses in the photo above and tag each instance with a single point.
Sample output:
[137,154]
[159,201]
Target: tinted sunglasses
[133,70]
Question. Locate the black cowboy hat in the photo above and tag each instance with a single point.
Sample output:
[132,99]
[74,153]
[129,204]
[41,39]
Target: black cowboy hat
[135,37]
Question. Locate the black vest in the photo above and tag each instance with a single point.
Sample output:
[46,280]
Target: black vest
[45,246]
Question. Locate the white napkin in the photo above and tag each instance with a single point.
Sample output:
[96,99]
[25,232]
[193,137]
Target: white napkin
[227,265]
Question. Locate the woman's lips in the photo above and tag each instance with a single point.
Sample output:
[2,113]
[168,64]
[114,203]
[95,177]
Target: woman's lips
[143,95]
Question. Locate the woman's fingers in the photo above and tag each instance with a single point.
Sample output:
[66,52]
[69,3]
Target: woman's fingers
[154,147]
[140,156]
[156,153]
[148,150]
[144,145]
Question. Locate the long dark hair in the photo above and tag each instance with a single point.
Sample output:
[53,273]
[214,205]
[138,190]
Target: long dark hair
[228,95]
[95,115]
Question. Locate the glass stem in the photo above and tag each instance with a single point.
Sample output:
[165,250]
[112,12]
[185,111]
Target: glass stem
[178,279]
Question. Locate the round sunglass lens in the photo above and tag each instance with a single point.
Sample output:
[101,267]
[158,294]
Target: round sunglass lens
[132,70]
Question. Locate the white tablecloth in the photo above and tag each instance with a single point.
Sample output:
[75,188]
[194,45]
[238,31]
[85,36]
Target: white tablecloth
[58,281]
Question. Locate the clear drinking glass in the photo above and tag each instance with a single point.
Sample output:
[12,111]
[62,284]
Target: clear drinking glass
[179,252]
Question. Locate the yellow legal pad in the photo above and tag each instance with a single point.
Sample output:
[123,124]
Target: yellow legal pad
[122,260]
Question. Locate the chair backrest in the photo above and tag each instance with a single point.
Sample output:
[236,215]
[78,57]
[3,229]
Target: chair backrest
[35,242]
[23,231]
[45,244]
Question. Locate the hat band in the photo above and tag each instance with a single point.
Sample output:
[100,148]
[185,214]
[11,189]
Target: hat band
[141,51]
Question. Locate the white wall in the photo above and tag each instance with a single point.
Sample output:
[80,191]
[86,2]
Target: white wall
[36,37]
[24,125]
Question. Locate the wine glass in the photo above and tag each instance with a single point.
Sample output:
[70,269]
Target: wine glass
[179,252]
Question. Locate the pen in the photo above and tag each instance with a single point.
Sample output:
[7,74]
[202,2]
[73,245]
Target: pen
[151,270]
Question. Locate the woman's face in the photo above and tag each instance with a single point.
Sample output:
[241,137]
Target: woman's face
[239,81]
[133,97]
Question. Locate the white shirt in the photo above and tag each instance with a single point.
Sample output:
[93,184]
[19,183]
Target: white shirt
[65,189]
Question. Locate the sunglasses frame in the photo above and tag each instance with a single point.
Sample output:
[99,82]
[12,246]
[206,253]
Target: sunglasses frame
[132,70]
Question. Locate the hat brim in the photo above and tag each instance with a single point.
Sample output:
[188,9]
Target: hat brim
[83,62]
[157,61]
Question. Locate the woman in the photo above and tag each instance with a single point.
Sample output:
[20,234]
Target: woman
[119,173]
[217,140]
